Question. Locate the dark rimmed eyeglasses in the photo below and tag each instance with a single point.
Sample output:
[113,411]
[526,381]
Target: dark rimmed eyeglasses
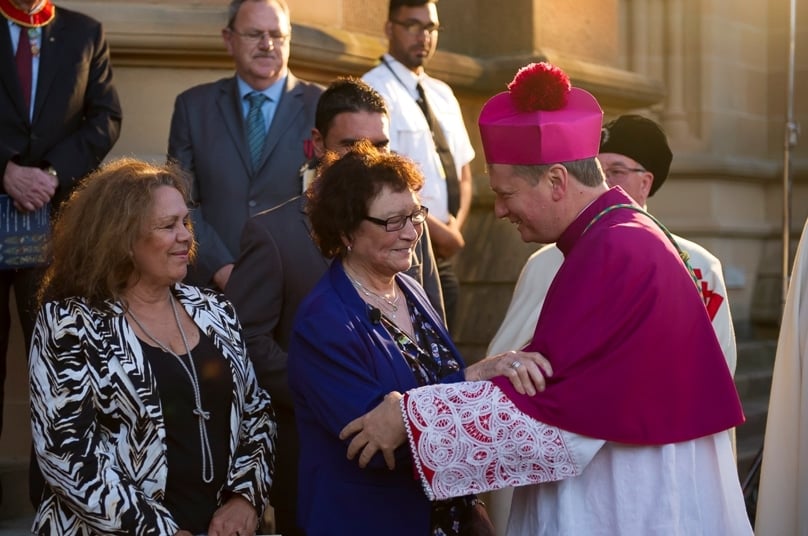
[413,27]
[396,223]
[620,172]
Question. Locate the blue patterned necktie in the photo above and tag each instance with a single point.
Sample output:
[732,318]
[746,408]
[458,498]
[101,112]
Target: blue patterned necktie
[256,126]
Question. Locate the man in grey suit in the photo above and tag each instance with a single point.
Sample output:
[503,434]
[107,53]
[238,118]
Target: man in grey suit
[279,264]
[243,138]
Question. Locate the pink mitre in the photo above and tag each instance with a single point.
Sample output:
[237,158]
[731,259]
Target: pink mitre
[541,119]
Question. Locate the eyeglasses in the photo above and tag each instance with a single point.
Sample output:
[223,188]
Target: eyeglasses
[413,27]
[620,173]
[396,223]
[255,37]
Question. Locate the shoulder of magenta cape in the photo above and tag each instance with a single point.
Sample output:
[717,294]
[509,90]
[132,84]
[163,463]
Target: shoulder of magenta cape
[614,196]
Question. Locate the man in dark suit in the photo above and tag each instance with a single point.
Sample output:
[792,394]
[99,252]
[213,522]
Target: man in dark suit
[243,138]
[59,117]
[280,263]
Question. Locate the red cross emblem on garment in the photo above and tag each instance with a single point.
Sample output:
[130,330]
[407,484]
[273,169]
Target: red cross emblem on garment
[712,300]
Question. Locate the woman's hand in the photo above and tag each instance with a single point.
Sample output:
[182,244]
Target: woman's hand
[526,370]
[236,517]
[382,428]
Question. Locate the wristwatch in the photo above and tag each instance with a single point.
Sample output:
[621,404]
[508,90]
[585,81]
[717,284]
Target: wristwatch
[52,172]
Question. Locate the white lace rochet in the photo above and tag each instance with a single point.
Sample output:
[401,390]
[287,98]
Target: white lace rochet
[469,437]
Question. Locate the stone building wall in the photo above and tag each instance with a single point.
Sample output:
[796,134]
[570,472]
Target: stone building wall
[712,71]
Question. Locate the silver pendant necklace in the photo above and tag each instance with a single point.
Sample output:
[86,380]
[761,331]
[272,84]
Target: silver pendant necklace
[202,415]
[393,304]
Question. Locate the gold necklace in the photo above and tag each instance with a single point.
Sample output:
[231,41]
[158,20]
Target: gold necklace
[202,415]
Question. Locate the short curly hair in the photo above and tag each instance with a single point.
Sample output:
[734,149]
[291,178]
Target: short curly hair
[338,199]
[96,228]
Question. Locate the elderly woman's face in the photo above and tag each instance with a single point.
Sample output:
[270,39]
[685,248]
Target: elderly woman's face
[161,251]
[387,252]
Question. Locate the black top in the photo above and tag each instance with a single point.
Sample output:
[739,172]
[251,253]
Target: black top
[191,501]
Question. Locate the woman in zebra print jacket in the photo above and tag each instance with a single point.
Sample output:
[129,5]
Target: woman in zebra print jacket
[146,414]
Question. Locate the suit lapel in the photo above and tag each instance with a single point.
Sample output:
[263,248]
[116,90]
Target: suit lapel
[287,109]
[232,117]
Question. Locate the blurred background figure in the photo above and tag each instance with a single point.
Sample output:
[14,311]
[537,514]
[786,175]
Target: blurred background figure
[783,491]
[147,416]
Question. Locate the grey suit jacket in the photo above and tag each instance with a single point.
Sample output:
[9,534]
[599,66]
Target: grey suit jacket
[208,139]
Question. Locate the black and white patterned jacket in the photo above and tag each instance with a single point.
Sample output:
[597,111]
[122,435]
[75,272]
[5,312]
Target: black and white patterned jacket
[98,427]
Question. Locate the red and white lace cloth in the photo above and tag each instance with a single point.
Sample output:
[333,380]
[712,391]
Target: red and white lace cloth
[469,437]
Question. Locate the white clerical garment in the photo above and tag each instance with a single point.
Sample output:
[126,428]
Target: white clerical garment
[588,486]
[782,507]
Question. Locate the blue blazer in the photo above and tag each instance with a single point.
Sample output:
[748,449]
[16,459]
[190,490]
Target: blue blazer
[341,365]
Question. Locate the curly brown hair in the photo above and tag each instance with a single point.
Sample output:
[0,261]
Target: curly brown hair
[97,226]
[338,199]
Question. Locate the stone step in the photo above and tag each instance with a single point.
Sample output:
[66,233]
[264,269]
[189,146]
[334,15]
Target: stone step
[754,384]
[755,411]
[18,526]
[748,449]
[756,354]
[14,481]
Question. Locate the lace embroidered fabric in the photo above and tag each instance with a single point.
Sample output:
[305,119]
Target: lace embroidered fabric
[469,437]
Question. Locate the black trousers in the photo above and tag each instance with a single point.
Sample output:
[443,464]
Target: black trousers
[25,282]
[283,496]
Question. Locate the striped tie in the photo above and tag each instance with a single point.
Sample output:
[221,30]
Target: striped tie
[256,127]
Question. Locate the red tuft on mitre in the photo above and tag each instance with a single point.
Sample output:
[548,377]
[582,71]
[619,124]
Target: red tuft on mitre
[540,86]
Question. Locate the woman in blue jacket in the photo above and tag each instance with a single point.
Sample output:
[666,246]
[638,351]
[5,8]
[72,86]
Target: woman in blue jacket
[365,330]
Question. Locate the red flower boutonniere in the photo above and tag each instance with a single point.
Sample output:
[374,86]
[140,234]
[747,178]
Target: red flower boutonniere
[308,149]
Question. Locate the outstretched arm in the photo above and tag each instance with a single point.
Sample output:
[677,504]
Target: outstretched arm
[469,437]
